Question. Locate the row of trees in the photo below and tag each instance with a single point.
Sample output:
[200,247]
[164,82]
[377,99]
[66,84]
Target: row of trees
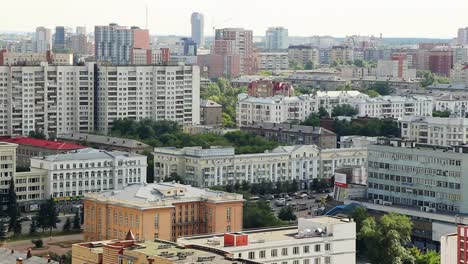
[383,241]
[371,128]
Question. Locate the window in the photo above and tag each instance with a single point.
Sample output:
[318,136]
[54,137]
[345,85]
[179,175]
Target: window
[295,250]
[251,255]
[317,248]
[306,261]
[274,253]
[228,214]
[327,246]
[327,260]
[296,262]
[306,249]
[262,254]
[156,221]
[317,261]
[284,252]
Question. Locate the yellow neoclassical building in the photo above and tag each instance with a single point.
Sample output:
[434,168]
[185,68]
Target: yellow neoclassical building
[160,210]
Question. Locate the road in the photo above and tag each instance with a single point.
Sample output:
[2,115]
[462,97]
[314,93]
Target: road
[25,225]
[311,205]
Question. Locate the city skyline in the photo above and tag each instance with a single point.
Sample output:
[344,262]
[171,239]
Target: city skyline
[361,18]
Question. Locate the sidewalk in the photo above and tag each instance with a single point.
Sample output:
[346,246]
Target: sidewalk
[23,245]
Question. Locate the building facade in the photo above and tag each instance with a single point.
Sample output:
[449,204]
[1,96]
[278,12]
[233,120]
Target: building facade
[90,170]
[276,38]
[51,99]
[105,142]
[34,59]
[43,40]
[319,240]
[302,54]
[220,166]
[198,28]
[435,130]
[267,88]
[211,113]
[294,134]
[394,106]
[141,92]
[272,61]
[115,44]
[160,210]
[7,170]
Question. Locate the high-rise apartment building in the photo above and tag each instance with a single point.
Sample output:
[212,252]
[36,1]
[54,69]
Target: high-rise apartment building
[81,30]
[43,40]
[115,44]
[231,55]
[198,28]
[303,54]
[441,61]
[462,36]
[276,38]
[59,39]
[154,92]
[67,99]
[7,170]
[52,99]
[160,210]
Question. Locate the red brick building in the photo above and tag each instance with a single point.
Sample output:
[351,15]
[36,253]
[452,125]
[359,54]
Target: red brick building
[441,61]
[266,88]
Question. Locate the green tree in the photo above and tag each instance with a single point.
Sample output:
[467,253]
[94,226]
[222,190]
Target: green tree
[287,214]
[259,214]
[312,120]
[445,113]
[344,110]
[33,226]
[372,93]
[323,112]
[430,257]
[245,186]
[12,206]
[359,214]
[47,215]
[175,177]
[382,88]
[76,222]
[228,121]
[294,186]
[309,65]
[37,134]
[67,227]
[385,239]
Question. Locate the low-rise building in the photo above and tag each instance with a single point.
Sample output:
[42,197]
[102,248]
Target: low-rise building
[317,81]
[294,134]
[449,250]
[32,147]
[267,88]
[147,252]
[29,58]
[7,170]
[324,240]
[302,54]
[220,166]
[31,189]
[211,113]
[11,256]
[105,142]
[272,61]
[89,170]
[456,104]
[160,210]
[356,141]
[435,130]
[394,106]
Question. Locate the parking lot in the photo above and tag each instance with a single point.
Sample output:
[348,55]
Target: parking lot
[308,204]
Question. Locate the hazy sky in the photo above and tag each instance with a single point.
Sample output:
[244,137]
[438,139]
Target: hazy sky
[402,18]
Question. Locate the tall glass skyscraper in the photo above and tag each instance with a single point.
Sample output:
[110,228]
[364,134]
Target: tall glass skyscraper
[59,42]
[198,30]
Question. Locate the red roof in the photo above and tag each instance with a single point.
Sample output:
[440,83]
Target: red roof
[42,143]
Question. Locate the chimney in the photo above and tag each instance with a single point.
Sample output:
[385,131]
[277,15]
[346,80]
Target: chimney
[19,261]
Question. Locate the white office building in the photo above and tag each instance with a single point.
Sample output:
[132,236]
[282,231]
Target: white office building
[276,38]
[147,92]
[435,130]
[319,240]
[279,109]
[220,166]
[394,106]
[90,170]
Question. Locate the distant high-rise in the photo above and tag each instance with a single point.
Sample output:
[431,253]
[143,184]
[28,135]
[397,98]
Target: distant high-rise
[59,41]
[115,43]
[81,30]
[462,37]
[43,39]
[198,32]
[276,38]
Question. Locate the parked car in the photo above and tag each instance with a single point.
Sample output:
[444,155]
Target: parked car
[269,197]
[280,202]
[25,218]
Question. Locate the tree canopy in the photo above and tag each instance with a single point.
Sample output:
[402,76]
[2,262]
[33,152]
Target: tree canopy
[287,214]
[382,88]
[344,110]
[445,113]
[371,128]
[259,214]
